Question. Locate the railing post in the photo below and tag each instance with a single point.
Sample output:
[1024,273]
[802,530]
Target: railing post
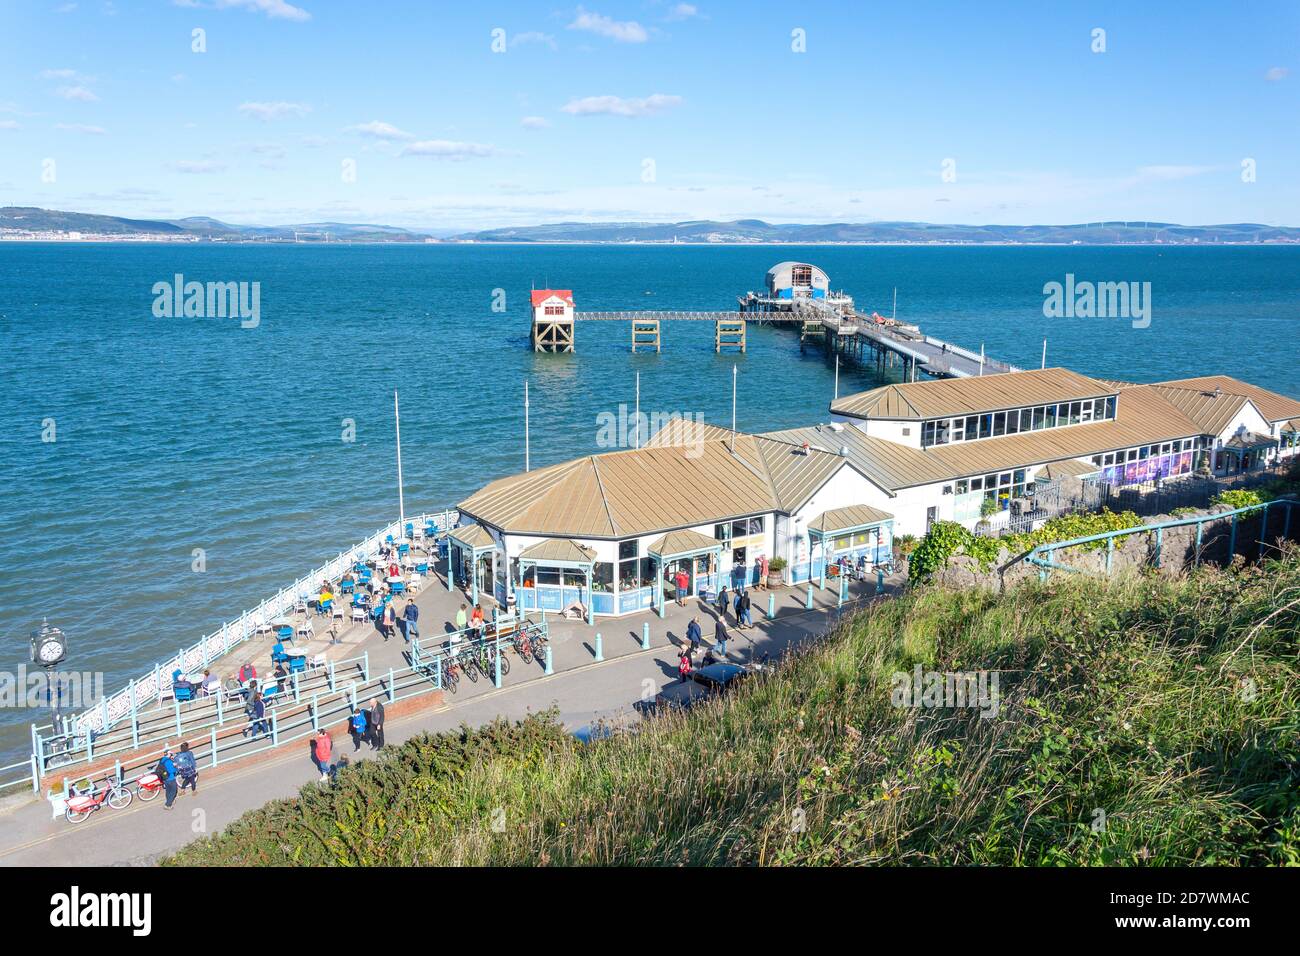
[1263,531]
[808,603]
[352,693]
[1200,525]
[275,728]
[177,705]
[437,672]
[1160,544]
[315,711]
[297,690]
[645,635]
[496,667]
[880,580]
[221,706]
[771,606]
[548,669]
[90,745]
[36,777]
[135,730]
[392,687]
[365,665]
[600,654]
[213,745]
[157,684]
[843,586]
[1232,541]
[330,675]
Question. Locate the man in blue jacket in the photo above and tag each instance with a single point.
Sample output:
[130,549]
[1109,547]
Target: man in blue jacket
[167,772]
[410,614]
[693,633]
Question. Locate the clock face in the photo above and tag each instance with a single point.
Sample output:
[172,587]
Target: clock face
[50,652]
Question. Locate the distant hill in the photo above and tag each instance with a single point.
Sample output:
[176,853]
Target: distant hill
[757,231]
[32,219]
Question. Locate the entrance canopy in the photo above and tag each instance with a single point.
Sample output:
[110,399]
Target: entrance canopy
[683,544]
[559,552]
[472,537]
[1248,440]
[845,520]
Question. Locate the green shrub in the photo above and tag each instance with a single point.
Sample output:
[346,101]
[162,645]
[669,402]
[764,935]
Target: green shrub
[1238,498]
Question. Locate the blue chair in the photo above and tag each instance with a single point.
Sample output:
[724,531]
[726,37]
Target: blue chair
[410,530]
[389,539]
[360,567]
[403,549]
[183,693]
[278,654]
[284,632]
[376,611]
[298,664]
[324,607]
[358,599]
[430,530]
[398,587]
[422,568]
[365,576]
[347,587]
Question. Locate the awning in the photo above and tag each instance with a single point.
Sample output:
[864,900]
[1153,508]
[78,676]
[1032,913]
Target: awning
[1069,468]
[850,518]
[558,551]
[1249,440]
[472,537]
[1292,426]
[682,544]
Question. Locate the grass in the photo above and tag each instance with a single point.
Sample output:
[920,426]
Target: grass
[1142,722]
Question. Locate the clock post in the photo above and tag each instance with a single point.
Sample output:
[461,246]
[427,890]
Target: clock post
[49,649]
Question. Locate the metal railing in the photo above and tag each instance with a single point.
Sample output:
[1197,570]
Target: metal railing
[397,684]
[150,687]
[1043,556]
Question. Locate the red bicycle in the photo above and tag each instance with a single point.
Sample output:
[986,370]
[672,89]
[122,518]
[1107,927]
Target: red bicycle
[82,805]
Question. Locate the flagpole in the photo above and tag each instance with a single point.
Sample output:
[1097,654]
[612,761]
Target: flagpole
[837,377]
[1044,365]
[401,503]
[733,408]
[636,419]
[527,462]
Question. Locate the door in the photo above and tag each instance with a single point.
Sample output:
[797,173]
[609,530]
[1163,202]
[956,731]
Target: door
[931,515]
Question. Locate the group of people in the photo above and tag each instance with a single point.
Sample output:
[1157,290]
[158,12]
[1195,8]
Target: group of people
[179,771]
[470,620]
[739,604]
[694,642]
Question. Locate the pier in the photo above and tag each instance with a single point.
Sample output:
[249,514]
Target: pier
[798,297]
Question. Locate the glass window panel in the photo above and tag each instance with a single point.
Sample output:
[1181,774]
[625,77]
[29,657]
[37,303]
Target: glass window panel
[999,423]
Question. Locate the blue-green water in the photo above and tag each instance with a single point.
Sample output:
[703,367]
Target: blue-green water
[178,434]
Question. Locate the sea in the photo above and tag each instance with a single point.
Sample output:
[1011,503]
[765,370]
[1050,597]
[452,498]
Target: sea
[161,473]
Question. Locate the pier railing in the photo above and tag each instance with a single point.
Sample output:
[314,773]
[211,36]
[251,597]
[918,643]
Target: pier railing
[149,687]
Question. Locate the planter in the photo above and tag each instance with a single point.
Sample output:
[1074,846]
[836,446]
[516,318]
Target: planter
[775,579]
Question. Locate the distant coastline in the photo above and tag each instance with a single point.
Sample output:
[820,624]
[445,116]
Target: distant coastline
[33,224]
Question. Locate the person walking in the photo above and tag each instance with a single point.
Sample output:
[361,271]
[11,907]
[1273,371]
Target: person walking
[684,666]
[377,724]
[322,750]
[165,770]
[722,600]
[410,614]
[720,637]
[693,633]
[188,769]
[258,715]
[735,604]
[357,728]
[745,620]
[389,618]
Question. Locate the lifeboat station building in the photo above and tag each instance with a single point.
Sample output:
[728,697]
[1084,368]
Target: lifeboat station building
[610,532]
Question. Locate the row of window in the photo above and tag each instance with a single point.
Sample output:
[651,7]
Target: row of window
[945,431]
[1003,485]
[1144,452]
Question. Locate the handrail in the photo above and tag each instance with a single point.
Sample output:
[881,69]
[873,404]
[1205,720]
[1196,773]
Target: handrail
[1046,564]
[112,709]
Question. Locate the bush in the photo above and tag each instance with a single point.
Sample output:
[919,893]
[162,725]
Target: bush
[1170,704]
[1238,498]
[777,564]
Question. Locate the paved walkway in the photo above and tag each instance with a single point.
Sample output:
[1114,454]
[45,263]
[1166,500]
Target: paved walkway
[584,691]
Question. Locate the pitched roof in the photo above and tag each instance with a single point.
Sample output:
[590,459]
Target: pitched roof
[558,549]
[684,541]
[474,535]
[1210,411]
[969,396]
[852,516]
[1069,468]
[541,295]
[1271,405]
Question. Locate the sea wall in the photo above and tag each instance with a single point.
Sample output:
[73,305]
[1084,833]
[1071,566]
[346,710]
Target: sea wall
[1176,553]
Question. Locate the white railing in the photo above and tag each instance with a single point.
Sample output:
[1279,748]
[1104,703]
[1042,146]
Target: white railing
[149,687]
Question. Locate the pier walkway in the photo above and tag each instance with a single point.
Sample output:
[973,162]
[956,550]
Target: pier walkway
[585,691]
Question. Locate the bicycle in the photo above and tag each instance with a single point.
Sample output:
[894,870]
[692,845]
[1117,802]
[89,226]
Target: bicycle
[523,647]
[537,638]
[80,806]
[451,673]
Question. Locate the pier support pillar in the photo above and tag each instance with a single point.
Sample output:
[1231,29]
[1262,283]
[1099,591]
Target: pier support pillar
[645,334]
[729,334]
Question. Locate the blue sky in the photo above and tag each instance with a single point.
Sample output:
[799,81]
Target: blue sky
[649,110]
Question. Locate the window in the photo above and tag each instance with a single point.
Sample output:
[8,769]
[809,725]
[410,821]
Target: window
[942,431]
[1026,419]
[986,425]
[1049,416]
[1040,417]
[1087,412]
[927,434]
[1132,454]
[628,549]
[554,310]
[963,486]
[633,572]
[1013,422]
[1096,460]
[999,423]
[959,429]
[1076,409]
[1110,407]
[740,528]
[801,276]
[722,532]
[756,525]
[602,576]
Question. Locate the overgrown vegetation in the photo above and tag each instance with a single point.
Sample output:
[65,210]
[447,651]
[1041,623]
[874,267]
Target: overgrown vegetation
[1237,498]
[948,538]
[1141,721]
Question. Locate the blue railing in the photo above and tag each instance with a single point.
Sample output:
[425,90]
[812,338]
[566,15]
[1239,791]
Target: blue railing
[1043,555]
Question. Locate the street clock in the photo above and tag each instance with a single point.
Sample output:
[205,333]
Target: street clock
[49,646]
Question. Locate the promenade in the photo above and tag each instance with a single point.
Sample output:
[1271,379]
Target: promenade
[584,691]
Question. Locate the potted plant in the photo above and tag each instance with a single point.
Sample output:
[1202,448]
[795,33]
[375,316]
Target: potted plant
[987,510]
[775,575]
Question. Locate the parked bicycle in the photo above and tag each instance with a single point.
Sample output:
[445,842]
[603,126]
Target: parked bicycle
[82,805]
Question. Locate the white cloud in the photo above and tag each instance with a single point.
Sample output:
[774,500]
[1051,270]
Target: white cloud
[624,31]
[535,122]
[381,130]
[267,112]
[198,167]
[682,11]
[1276,74]
[81,128]
[9,124]
[1173,172]
[274,9]
[58,74]
[448,149]
[619,106]
[78,93]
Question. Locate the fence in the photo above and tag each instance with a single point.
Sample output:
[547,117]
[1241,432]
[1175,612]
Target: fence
[77,732]
[398,684]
